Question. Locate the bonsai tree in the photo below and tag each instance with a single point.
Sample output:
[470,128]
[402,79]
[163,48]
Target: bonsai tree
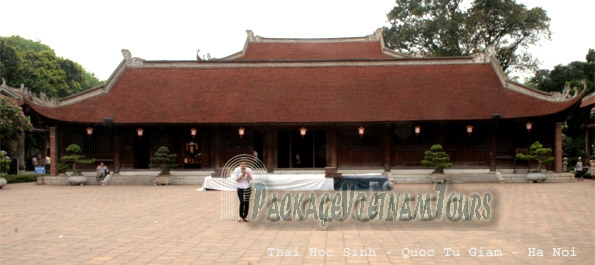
[539,153]
[436,158]
[74,157]
[164,160]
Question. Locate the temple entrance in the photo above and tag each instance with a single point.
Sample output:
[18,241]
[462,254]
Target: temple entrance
[295,151]
[258,144]
[142,151]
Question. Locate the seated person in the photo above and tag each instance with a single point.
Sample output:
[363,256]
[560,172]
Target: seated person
[102,171]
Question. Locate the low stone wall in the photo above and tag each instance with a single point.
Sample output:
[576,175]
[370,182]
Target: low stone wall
[132,178]
[421,177]
[53,180]
[551,177]
[395,176]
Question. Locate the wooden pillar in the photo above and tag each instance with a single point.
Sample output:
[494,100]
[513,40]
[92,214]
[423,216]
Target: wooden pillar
[588,141]
[205,149]
[332,146]
[21,151]
[53,152]
[492,146]
[116,151]
[270,147]
[45,145]
[558,148]
[387,148]
[217,149]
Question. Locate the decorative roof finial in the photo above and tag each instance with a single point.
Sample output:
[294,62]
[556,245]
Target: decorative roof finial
[252,37]
[127,55]
[376,36]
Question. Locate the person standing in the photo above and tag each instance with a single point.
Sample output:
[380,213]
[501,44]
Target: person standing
[243,176]
[579,168]
[48,162]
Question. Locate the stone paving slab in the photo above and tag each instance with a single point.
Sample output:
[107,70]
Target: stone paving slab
[176,224]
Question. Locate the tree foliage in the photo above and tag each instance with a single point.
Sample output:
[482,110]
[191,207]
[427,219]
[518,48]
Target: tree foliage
[446,28]
[539,153]
[12,120]
[573,74]
[436,158]
[75,156]
[37,67]
[4,162]
[164,160]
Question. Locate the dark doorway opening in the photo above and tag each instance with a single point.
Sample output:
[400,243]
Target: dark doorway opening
[258,144]
[319,149]
[297,151]
[284,150]
[142,151]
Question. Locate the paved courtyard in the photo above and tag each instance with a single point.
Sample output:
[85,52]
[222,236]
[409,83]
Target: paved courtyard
[527,224]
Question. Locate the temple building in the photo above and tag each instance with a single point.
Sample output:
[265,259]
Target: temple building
[342,103]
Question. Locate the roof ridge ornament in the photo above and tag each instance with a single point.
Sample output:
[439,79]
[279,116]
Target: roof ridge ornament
[486,55]
[132,61]
[127,55]
[376,36]
[24,93]
[565,93]
[10,91]
[252,37]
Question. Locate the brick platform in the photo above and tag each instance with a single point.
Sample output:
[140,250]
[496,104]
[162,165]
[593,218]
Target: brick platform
[146,224]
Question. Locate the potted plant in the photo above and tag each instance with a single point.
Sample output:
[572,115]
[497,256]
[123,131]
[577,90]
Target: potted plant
[439,160]
[164,160]
[542,155]
[73,158]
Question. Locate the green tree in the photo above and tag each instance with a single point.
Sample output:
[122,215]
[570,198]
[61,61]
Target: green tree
[436,158]
[91,80]
[573,75]
[12,121]
[75,156]
[37,67]
[539,153]
[164,160]
[444,28]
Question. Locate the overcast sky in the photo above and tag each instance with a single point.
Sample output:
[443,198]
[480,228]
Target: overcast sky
[93,33]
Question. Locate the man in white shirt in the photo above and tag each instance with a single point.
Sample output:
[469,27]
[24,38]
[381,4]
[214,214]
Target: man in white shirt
[243,176]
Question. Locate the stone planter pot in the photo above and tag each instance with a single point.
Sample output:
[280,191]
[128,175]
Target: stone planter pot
[162,180]
[78,180]
[3,182]
[438,177]
[536,177]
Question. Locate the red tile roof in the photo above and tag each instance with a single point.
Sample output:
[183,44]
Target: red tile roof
[357,91]
[295,51]
[588,100]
